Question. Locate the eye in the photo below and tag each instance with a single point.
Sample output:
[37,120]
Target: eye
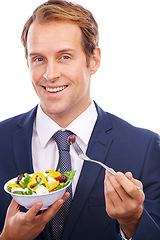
[65,57]
[39,59]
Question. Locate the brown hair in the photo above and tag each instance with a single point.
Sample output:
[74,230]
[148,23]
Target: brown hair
[66,11]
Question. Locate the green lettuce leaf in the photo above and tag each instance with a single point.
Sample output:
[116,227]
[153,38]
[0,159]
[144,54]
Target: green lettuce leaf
[26,180]
[69,176]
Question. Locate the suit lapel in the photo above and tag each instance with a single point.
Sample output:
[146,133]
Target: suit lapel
[22,141]
[98,148]
[22,138]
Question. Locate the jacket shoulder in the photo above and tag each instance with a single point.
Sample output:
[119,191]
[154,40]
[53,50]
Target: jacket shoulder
[124,127]
[17,121]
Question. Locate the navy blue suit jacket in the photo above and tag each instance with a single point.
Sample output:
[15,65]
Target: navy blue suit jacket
[113,142]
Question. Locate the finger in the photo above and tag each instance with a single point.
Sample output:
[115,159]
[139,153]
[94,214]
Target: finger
[52,210]
[13,207]
[118,193]
[112,198]
[124,180]
[112,187]
[32,212]
[65,196]
[135,181]
[110,207]
[108,188]
[129,175]
[129,184]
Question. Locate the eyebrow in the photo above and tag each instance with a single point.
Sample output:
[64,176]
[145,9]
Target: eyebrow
[58,52]
[66,50]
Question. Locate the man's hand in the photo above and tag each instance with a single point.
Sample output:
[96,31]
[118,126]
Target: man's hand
[124,201]
[27,226]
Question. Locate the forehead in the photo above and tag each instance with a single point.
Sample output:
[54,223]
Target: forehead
[53,35]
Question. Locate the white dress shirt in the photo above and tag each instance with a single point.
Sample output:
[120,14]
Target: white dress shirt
[44,148]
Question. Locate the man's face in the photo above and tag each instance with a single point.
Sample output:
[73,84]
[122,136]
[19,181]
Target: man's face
[58,69]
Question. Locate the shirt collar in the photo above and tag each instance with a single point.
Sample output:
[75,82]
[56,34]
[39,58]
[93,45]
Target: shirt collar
[46,127]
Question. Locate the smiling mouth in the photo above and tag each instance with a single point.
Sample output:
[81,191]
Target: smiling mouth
[55,90]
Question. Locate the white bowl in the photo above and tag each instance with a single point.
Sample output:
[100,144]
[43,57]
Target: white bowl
[28,200]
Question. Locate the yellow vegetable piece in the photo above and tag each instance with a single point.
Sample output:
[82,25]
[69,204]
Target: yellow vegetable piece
[54,185]
[14,185]
[53,174]
[35,177]
[30,183]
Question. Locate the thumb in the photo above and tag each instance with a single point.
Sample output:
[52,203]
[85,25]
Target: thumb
[132,179]
[13,208]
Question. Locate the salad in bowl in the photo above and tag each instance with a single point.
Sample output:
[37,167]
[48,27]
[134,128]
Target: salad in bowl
[47,187]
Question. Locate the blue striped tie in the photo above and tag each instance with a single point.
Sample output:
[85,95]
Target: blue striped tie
[64,164]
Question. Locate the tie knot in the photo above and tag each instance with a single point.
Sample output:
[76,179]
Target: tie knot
[61,138]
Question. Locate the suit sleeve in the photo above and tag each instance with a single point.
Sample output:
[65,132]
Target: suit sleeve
[149,225]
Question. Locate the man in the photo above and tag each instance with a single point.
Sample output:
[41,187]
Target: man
[61,46]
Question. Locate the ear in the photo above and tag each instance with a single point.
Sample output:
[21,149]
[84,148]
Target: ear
[95,60]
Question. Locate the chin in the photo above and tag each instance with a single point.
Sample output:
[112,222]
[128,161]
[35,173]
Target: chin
[52,113]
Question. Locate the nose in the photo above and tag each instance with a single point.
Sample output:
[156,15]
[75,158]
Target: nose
[52,71]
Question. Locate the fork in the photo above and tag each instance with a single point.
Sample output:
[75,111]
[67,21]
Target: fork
[83,156]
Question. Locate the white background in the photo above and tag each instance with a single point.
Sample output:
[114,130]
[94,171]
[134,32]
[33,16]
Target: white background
[127,83]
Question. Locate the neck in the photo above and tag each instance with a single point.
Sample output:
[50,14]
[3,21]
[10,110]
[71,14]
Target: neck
[64,120]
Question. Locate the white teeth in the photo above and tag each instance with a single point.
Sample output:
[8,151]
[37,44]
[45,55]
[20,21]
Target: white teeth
[55,89]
